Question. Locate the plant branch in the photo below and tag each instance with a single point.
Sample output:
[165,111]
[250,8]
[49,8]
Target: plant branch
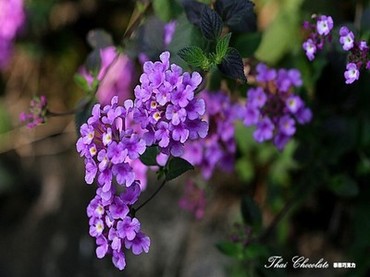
[134,210]
[358,13]
[284,211]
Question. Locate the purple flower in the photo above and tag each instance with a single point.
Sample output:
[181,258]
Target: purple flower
[363,45]
[304,115]
[295,77]
[351,74]
[96,228]
[252,115]
[211,152]
[124,174]
[118,209]
[91,170]
[38,111]
[195,108]
[264,130]
[281,140]
[310,48]
[116,152]
[102,248]
[287,125]
[12,17]
[169,31]
[324,25]
[293,103]
[197,128]
[180,133]
[116,74]
[319,33]
[127,228]
[118,260]
[265,74]
[256,97]
[346,38]
[131,194]
[140,243]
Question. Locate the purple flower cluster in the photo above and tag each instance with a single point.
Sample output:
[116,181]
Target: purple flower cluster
[165,113]
[219,147]
[272,106]
[37,115]
[358,57]
[166,106]
[114,228]
[109,145]
[11,19]
[319,32]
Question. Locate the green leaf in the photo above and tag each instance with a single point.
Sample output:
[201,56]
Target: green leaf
[81,82]
[149,157]
[5,120]
[210,24]
[344,186]
[176,167]
[282,36]
[166,9]
[238,15]
[254,251]
[247,44]
[222,47]
[231,249]
[245,169]
[186,34]
[251,212]
[194,56]
[232,65]
[93,62]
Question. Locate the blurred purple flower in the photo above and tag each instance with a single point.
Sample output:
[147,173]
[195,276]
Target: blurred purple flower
[310,48]
[117,74]
[193,200]
[216,149]
[12,17]
[169,31]
[38,111]
[273,107]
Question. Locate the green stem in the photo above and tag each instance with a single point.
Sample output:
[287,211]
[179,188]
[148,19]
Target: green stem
[358,13]
[134,210]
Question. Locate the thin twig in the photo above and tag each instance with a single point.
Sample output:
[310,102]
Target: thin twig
[134,210]
[358,13]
